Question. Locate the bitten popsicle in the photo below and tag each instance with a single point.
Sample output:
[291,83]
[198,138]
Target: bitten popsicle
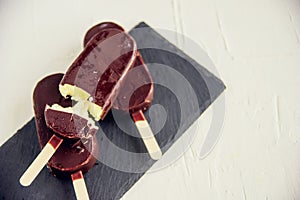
[72,157]
[136,93]
[97,74]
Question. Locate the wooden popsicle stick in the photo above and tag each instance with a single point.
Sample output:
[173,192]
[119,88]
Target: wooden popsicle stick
[79,186]
[40,161]
[147,135]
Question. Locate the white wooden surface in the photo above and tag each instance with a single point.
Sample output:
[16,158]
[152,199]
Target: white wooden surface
[255,45]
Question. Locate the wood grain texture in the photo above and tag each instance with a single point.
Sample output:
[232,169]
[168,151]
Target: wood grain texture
[105,182]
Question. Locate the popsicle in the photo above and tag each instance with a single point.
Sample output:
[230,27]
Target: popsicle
[97,74]
[136,93]
[73,156]
[93,80]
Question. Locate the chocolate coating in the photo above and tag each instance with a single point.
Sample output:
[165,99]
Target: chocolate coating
[69,125]
[98,28]
[102,65]
[72,155]
[137,89]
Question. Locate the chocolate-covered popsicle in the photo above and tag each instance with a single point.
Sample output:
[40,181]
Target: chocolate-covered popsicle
[98,72]
[72,155]
[99,69]
[136,93]
[137,89]
[136,97]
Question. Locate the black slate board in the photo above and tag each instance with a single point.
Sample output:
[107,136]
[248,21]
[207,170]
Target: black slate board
[106,181]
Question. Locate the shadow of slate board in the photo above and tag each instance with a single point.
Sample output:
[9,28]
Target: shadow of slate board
[105,181]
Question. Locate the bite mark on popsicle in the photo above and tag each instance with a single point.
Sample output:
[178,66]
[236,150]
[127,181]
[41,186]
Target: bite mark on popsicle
[96,75]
